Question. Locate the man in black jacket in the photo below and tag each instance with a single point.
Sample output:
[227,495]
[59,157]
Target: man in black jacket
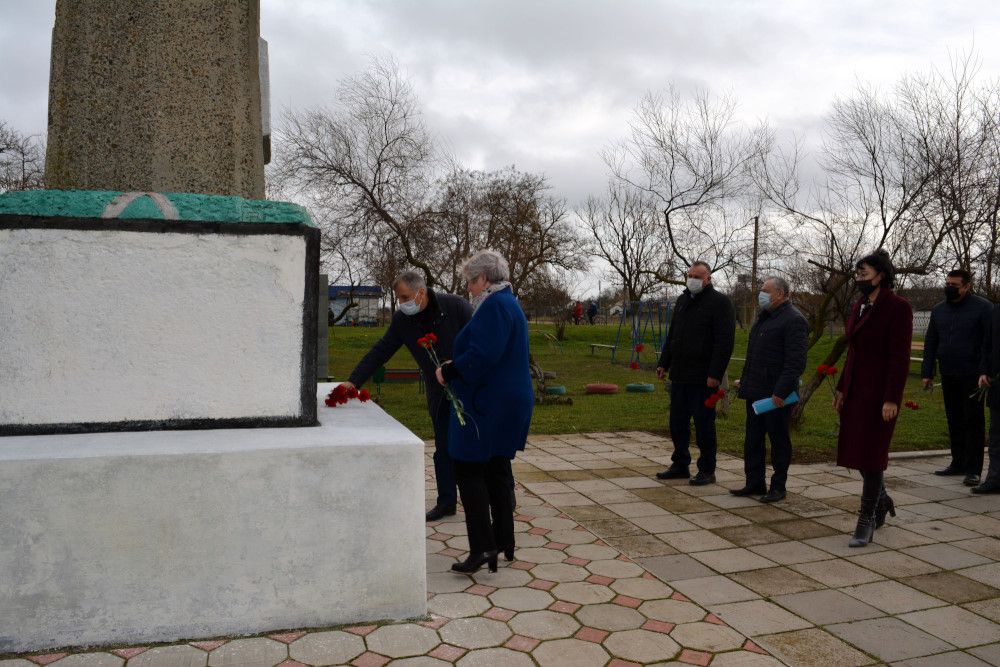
[697,350]
[991,483]
[422,311]
[955,340]
[776,357]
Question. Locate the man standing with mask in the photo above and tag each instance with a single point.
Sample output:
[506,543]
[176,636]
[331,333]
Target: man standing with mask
[956,340]
[422,311]
[776,357]
[696,353]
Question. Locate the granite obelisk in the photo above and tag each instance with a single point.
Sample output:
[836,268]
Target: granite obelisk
[156,96]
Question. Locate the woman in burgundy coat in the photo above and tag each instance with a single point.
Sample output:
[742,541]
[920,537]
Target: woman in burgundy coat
[871,385]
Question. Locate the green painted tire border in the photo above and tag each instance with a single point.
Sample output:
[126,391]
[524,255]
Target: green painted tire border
[640,388]
[556,390]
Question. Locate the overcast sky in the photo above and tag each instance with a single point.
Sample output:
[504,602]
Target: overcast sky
[546,84]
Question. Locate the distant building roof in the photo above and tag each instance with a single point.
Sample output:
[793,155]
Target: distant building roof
[359,291]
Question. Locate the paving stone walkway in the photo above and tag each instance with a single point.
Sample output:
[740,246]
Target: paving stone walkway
[615,568]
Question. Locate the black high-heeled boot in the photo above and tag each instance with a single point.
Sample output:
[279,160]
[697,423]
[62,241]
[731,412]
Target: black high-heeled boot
[867,515]
[476,561]
[885,506]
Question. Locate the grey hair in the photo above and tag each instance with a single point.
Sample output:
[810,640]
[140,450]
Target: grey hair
[411,278]
[780,283]
[487,263]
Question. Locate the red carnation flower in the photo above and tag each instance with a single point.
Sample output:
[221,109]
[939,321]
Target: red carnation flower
[822,369]
[634,365]
[639,348]
[352,392]
[364,396]
[831,370]
[715,398]
[914,405]
[432,337]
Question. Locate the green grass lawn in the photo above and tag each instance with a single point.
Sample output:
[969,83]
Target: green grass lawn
[814,440]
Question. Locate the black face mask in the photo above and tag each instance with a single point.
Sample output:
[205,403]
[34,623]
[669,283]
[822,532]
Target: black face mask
[951,292]
[865,287]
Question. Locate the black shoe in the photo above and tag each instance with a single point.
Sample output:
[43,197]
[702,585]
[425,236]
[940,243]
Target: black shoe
[773,496]
[440,511]
[701,479]
[865,530]
[885,506]
[476,561]
[972,479]
[989,486]
[950,470]
[673,473]
[749,491]
[508,553]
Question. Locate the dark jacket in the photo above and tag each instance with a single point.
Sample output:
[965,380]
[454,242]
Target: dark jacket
[700,337]
[490,376]
[776,354]
[993,357]
[445,315]
[878,362]
[956,337]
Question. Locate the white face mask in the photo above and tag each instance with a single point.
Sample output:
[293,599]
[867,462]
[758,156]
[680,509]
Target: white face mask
[695,285]
[409,307]
[764,299]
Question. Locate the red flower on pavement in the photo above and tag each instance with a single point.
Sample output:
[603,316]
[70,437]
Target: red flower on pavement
[639,348]
[634,365]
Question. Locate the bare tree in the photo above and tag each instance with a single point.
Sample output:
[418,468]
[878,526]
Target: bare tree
[22,160]
[624,234]
[692,157]
[368,161]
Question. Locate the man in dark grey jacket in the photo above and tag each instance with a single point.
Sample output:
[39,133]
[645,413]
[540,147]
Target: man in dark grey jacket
[697,350]
[776,358]
[422,311]
[955,340]
[991,482]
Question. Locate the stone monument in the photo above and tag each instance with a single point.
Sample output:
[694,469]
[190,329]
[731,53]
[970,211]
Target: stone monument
[151,303]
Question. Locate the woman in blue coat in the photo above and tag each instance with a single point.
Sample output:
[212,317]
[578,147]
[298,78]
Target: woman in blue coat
[489,375]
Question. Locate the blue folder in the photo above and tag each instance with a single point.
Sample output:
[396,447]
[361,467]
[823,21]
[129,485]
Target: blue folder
[767,404]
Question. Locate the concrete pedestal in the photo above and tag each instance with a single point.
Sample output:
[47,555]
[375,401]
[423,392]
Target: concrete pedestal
[156,536]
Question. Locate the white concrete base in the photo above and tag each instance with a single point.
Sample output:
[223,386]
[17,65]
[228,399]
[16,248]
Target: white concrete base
[156,536]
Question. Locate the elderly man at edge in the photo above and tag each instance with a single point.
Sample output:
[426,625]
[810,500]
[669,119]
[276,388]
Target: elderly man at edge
[697,350]
[776,358]
[422,310]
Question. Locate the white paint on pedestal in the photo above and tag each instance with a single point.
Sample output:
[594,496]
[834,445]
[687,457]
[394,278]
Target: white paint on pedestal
[109,326]
[166,535]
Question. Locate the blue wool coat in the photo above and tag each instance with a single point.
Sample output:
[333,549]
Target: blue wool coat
[493,382]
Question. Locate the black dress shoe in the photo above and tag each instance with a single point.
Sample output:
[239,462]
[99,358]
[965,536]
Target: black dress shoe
[950,470]
[972,479]
[701,479]
[749,491]
[440,511]
[673,473]
[508,553]
[476,561]
[773,496]
[989,486]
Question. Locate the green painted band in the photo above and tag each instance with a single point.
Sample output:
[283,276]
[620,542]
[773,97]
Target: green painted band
[209,208]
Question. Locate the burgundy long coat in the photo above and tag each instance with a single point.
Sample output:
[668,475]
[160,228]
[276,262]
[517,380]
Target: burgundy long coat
[878,362]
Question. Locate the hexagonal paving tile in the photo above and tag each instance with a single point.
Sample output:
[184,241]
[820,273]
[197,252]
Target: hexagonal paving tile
[495,657]
[452,528]
[537,555]
[641,645]
[570,652]
[401,641]
[505,577]
[446,582]
[616,569]
[554,523]
[176,656]
[559,572]
[592,552]
[672,611]
[583,592]
[259,652]
[521,599]
[475,632]
[644,589]
[322,648]
[610,617]
[86,660]
[707,637]
[420,661]
[458,605]
[572,536]
[544,624]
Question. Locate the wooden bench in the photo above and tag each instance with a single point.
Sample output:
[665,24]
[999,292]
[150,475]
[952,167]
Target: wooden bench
[594,346]
[400,375]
